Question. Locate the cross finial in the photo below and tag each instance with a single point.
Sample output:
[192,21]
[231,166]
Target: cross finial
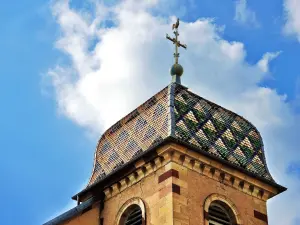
[176,70]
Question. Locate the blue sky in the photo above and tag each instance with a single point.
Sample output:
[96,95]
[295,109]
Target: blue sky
[60,86]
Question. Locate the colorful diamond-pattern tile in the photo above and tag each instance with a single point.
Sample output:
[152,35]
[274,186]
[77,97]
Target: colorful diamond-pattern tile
[227,135]
[131,136]
[195,121]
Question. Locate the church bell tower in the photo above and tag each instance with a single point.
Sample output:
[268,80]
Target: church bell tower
[177,159]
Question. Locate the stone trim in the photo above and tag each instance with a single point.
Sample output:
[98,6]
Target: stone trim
[125,209]
[261,216]
[218,172]
[136,176]
[224,199]
[167,174]
[176,188]
[198,163]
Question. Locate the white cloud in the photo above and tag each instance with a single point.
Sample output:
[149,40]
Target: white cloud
[244,15]
[114,69]
[292,14]
[265,61]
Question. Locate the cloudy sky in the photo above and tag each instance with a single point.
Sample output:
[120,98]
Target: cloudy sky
[70,69]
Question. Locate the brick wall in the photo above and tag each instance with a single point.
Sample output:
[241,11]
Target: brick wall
[175,194]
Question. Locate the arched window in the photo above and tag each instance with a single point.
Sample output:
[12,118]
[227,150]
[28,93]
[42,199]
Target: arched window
[132,213]
[133,216]
[219,215]
[219,210]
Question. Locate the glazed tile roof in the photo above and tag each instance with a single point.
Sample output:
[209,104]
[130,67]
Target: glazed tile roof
[176,112]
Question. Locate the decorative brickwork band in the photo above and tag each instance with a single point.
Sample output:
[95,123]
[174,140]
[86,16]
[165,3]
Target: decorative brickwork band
[260,216]
[167,174]
[176,189]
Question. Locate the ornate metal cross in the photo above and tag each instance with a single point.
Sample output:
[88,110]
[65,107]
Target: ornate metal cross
[176,41]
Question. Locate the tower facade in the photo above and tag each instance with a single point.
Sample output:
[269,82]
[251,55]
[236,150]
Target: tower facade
[178,159]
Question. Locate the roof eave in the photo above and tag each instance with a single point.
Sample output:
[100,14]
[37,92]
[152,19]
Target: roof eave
[148,155]
[71,213]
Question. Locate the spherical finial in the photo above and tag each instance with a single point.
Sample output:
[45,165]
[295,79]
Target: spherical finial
[176,69]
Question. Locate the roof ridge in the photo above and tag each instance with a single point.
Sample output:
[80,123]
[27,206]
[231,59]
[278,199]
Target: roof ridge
[171,120]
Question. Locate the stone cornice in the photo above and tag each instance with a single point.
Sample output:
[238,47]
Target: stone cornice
[217,171]
[198,163]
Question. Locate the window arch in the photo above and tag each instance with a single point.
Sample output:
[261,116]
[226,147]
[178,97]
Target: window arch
[131,213]
[219,210]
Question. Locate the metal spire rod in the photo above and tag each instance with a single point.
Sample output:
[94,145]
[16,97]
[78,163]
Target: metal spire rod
[176,41]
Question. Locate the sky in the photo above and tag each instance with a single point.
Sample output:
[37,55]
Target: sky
[70,69]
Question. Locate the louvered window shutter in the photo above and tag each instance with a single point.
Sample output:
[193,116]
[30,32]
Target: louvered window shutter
[217,215]
[135,217]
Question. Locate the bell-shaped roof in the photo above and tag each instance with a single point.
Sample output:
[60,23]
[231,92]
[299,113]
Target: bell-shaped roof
[190,119]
